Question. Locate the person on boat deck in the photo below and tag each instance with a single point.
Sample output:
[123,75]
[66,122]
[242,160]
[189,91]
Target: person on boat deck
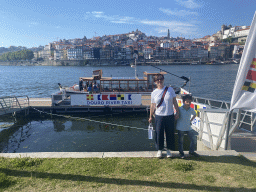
[164,115]
[81,85]
[184,126]
[87,84]
[95,88]
[90,88]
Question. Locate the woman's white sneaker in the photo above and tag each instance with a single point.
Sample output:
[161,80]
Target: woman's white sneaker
[168,152]
[159,154]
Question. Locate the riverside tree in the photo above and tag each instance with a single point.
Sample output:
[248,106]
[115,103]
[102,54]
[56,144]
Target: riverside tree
[18,55]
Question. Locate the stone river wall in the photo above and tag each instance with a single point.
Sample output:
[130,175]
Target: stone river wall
[93,62]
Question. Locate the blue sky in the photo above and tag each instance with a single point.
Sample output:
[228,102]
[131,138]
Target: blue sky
[32,23]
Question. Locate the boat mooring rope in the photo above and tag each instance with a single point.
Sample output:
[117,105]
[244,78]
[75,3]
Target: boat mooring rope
[90,120]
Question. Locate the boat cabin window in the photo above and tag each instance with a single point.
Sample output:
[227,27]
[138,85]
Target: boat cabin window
[124,85]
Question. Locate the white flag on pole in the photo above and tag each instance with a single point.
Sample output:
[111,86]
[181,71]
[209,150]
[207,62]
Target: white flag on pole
[244,92]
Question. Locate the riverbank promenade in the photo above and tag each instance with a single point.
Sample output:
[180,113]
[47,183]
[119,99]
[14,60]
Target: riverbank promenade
[133,154]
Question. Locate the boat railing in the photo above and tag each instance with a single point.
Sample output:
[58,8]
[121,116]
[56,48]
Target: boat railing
[10,104]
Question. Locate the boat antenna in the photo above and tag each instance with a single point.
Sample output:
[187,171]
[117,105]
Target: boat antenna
[182,77]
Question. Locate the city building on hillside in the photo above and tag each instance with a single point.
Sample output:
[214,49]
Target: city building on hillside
[184,53]
[58,55]
[106,52]
[141,43]
[172,53]
[237,51]
[44,54]
[75,53]
[234,32]
[159,53]
[129,42]
[165,44]
[115,37]
[61,46]
[187,43]
[36,55]
[193,52]
[147,51]
[88,53]
[202,53]
[213,52]
[129,52]
[105,43]
[242,34]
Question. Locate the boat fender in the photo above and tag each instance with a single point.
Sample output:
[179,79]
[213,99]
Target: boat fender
[76,87]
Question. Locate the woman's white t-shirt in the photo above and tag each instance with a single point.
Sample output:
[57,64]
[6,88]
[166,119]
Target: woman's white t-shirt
[167,106]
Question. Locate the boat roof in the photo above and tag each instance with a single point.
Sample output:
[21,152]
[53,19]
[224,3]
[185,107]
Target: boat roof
[154,73]
[115,78]
[98,74]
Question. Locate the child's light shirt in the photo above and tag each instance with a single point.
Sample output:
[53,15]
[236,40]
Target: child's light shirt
[183,123]
[167,106]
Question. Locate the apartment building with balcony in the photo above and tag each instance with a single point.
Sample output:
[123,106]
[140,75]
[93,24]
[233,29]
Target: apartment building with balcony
[75,53]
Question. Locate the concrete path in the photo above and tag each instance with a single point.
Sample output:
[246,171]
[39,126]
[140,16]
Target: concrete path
[147,154]
[244,143]
[249,155]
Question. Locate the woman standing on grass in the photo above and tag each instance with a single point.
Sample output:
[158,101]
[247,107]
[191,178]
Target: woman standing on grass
[164,115]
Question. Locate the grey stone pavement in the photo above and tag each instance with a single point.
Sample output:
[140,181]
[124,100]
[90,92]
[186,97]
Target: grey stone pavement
[147,154]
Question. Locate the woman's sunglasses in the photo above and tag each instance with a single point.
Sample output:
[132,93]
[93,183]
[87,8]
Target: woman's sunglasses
[159,79]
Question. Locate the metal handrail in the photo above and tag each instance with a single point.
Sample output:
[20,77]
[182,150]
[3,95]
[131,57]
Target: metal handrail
[11,103]
[211,101]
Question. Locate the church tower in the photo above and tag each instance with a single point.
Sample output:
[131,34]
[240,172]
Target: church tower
[168,34]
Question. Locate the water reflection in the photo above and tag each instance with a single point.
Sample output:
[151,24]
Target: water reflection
[58,125]
[68,135]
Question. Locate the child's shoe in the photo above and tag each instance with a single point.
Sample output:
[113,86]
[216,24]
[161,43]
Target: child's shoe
[194,154]
[182,155]
[159,154]
[168,152]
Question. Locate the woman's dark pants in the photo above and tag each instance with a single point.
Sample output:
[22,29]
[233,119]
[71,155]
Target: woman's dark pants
[164,124]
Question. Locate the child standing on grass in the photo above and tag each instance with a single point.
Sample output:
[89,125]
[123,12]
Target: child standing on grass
[184,126]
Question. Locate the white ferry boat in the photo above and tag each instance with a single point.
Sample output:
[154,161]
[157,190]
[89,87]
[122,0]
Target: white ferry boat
[105,91]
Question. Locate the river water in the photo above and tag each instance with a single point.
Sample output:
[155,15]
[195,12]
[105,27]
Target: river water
[46,134]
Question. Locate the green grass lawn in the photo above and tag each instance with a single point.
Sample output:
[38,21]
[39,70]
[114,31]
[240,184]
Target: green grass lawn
[128,174]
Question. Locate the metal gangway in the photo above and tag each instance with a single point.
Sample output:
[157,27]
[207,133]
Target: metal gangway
[247,119]
[13,104]
[214,122]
